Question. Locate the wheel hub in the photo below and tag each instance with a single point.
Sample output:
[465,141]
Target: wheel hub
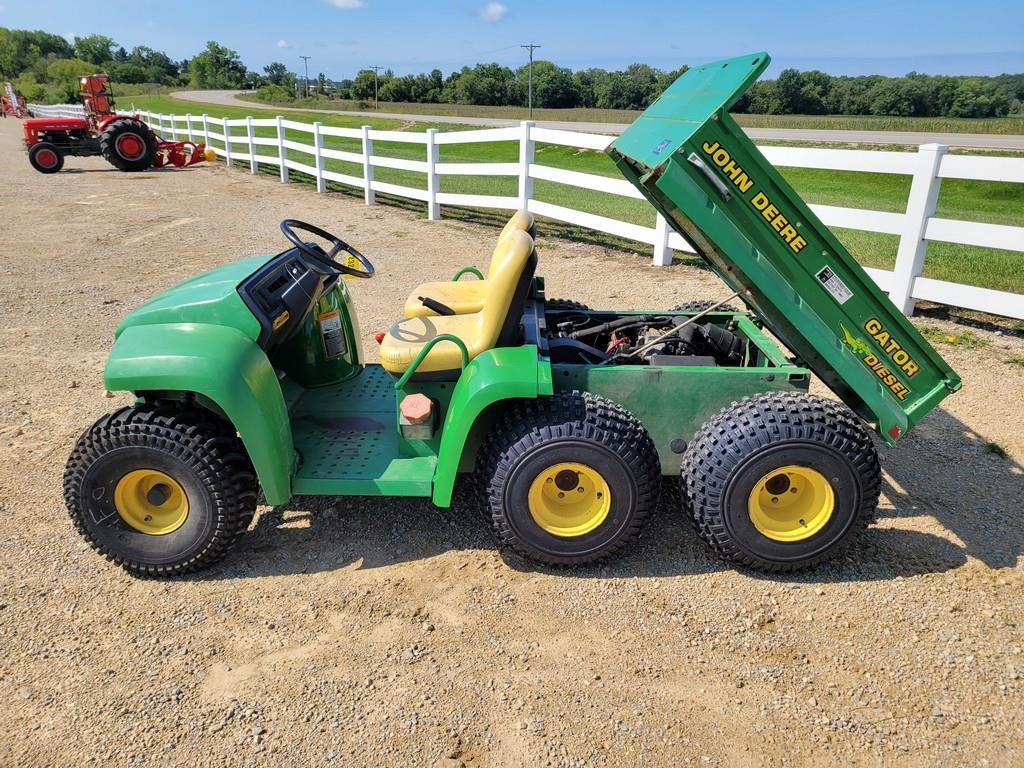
[151,502]
[130,146]
[46,158]
[791,503]
[569,499]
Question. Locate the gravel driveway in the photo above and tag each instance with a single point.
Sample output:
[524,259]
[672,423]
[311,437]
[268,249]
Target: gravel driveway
[382,632]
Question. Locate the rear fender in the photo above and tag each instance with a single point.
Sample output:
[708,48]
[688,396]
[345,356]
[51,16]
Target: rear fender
[224,366]
[508,373]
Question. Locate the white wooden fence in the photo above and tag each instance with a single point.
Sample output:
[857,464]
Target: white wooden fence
[236,141]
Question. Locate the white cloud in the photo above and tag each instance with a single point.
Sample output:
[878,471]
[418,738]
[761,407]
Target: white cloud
[283,44]
[346,5]
[493,12]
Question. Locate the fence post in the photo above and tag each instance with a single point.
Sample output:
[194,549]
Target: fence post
[368,196]
[227,142]
[924,192]
[188,127]
[318,143]
[662,253]
[525,159]
[206,129]
[282,153]
[160,125]
[254,167]
[433,209]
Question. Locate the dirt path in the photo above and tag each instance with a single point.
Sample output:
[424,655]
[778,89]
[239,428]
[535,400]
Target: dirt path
[389,633]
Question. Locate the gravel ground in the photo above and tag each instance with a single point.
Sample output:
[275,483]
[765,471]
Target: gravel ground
[388,633]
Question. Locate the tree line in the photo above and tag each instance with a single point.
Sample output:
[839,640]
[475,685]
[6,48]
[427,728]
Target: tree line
[46,67]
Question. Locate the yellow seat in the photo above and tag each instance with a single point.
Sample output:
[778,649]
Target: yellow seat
[496,324]
[466,296]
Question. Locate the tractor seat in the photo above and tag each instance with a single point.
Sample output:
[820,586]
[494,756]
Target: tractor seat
[466,296]
[497,324]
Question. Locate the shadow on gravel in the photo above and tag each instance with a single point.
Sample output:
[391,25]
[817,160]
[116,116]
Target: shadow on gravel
[948,471]
[941,470]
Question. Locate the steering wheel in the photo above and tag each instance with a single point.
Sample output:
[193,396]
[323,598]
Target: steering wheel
[325,259]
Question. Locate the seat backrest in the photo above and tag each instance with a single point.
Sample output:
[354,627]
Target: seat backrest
[507,287]
[521,221]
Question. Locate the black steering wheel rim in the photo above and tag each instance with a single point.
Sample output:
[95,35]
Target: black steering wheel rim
[326,259]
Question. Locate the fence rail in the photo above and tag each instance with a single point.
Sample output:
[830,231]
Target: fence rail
[916,227]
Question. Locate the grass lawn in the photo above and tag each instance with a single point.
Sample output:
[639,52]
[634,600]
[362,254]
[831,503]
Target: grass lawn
[969,200]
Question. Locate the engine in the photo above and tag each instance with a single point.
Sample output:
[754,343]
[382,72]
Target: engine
[589,338]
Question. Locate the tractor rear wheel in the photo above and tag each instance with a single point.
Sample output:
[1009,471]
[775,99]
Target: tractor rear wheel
[128,145]
[781,481]
[45,157]
[160,490]
[568,479]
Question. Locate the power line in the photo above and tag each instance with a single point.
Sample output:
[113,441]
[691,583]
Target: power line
[376,102]
[305,63]
[530,47]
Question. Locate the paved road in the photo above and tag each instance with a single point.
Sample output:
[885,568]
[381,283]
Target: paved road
[969,140]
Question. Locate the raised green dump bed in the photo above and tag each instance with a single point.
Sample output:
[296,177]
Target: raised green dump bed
[698,168]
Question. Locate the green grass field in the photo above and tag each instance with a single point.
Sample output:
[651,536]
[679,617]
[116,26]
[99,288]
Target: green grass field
[1004,125]
[992,202]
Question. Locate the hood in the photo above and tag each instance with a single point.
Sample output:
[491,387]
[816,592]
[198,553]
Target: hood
[210,298]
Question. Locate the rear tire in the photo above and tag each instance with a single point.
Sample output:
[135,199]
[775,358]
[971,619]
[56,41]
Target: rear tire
[566,304]
[160,490]
[568,479]
[45,157]
[128,145]
[781,481]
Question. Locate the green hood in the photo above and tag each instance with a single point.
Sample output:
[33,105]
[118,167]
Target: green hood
[210,298]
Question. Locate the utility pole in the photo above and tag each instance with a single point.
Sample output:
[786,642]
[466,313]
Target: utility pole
[305,63]
[530,47]
[376,102]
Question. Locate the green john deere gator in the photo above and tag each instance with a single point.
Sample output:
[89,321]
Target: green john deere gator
[250,378]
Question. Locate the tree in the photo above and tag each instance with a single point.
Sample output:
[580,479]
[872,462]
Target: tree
[321,84]
[362,86]
[95,49]
[276,73]
[64,74]
[553,86]
[217,67]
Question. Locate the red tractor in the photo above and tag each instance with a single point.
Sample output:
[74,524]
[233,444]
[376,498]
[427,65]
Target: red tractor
[124,140]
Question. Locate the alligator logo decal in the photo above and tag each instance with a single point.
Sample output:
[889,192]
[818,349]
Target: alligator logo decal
[862,350]
[857,346]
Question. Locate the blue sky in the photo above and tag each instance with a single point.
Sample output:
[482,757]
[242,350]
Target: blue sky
[343,36]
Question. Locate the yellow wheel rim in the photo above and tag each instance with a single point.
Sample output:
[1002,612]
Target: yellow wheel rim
[791,503]
[151,502]
[569,499]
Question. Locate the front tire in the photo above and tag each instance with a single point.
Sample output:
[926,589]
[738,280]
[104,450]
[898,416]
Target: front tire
[45,157]
[781,481]
[128,145]
[568,479]
[160,490]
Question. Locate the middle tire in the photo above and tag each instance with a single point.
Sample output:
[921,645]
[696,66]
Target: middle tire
[568,479]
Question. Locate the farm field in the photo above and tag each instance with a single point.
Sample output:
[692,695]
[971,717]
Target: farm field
[970,200]
[386,632]
[1003,125]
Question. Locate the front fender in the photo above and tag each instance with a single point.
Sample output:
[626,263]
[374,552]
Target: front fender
[223,365]
[505,373]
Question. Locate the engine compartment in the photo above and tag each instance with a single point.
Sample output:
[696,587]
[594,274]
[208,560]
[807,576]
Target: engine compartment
[662,339]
